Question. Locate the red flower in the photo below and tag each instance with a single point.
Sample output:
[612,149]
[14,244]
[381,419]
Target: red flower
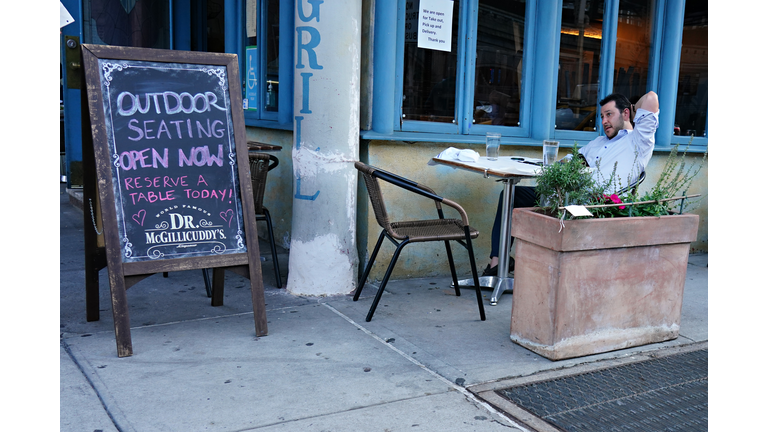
[614,199]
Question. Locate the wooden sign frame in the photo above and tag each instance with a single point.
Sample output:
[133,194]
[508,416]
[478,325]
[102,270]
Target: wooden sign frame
[126,270]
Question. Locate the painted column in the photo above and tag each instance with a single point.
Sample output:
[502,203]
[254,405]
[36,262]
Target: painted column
[323,255]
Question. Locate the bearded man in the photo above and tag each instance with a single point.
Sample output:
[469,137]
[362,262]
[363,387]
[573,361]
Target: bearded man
[627,147]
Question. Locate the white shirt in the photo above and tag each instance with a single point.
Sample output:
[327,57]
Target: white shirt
[629,149]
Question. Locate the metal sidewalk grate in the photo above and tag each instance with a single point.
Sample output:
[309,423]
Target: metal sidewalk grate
[663,394]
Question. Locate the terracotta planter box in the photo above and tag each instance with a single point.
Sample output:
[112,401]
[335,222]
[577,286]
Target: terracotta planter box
[598,285]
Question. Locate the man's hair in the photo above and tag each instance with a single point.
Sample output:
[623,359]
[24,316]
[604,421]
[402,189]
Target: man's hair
[621,101]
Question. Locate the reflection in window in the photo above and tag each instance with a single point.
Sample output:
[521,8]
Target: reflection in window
[273,55]
[580,39]
[633,48]
[691,110]
[262,54]
[429,77]
[252,23]
[214,22]
[135,23]
[499,67]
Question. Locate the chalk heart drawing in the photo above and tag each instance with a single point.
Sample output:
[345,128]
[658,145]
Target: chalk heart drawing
[227,216]
[139,217]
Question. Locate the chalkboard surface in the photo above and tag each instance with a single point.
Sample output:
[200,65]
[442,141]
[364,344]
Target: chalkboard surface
[174,165]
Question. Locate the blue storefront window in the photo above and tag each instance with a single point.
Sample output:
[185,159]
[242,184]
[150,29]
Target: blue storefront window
[266,57]
[475,84]
[576,53]
[136,23]
[692,84]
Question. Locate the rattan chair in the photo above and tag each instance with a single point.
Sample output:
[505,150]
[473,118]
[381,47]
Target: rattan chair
[406,232]
[261,164]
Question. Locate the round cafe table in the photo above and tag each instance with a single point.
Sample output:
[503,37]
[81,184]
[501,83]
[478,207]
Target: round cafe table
[509,170]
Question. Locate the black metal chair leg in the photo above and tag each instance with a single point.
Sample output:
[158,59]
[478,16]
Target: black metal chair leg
[453,268]
[475,279]
[384,280]
[368,267]
[268,219]
[207,281]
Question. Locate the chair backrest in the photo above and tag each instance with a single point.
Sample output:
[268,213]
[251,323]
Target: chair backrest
[372,175]
[260,164]
[633,187]
[375,195]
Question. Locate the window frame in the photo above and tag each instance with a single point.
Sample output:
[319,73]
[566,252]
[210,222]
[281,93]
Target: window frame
[666,43]
[697,144]
[604,80]
[283,117]
[541,48]
[465,78]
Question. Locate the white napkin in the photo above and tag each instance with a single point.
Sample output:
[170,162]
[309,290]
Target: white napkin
[452,153]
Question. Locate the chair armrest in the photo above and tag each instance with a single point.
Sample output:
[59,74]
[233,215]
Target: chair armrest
[273,162]
[455,205]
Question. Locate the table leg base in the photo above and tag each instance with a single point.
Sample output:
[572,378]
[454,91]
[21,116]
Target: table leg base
[499,285]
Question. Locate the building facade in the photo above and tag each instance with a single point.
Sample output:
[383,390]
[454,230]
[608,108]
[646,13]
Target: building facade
[528,69]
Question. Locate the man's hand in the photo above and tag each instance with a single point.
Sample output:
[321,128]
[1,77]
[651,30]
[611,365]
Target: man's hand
[579,157]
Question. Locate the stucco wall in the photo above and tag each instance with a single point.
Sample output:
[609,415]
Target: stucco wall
[478,196]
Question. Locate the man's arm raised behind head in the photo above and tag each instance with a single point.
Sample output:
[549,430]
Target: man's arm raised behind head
[649,102]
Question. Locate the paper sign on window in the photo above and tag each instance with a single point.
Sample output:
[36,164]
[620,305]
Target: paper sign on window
[435,24]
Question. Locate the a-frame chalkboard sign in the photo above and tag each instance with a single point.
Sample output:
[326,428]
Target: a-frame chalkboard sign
[171,163]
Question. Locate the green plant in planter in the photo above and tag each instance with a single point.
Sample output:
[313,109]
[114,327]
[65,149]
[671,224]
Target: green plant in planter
[564,183]
[675,179]
[570,182]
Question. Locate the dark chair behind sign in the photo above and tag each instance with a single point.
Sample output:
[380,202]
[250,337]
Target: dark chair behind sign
[405,232]
[260,165]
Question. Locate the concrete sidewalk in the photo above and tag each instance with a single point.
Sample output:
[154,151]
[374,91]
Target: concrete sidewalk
[321,368]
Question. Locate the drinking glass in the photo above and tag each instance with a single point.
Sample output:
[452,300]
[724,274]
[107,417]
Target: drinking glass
[550,151]
[492,142]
